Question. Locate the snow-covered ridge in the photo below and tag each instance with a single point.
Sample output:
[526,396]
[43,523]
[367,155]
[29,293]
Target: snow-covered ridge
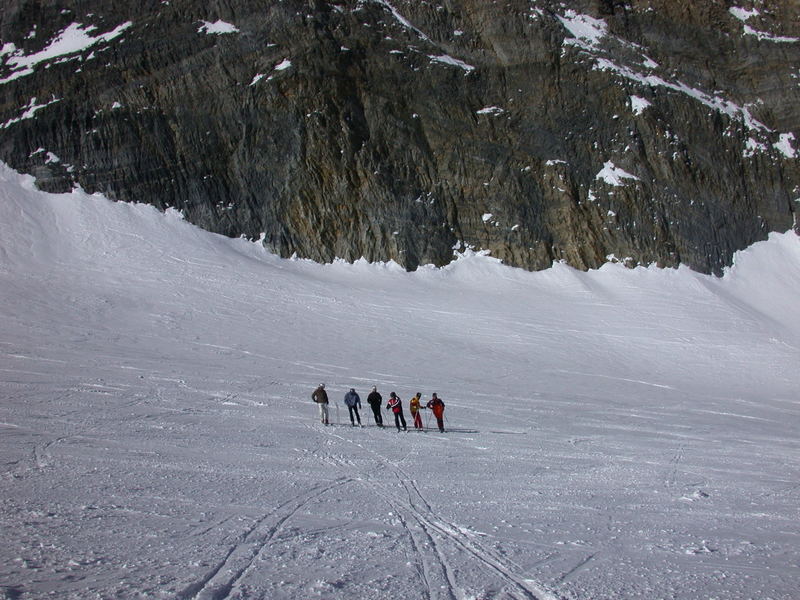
[73,39]
[744,15]
[588,31]
[786,246]
[591,36]
[715,102]
[441,59]
[29,111]
[446,59]
[402,20]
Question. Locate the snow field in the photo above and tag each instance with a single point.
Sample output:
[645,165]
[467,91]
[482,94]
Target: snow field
[612,434]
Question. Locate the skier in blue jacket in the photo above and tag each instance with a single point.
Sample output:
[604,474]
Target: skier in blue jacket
[353,402]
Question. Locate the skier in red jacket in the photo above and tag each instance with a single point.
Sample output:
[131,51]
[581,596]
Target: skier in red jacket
[397,408]
[437,406]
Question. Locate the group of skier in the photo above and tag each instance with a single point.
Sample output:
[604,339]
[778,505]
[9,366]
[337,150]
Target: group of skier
[353,402]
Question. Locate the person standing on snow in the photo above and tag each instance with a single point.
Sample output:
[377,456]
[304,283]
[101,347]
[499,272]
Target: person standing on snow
[414,406]
[374,399]
[437,406]
[397,408]
[320,396]
[353,402]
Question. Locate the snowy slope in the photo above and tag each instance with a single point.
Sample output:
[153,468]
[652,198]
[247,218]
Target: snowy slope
[612,434]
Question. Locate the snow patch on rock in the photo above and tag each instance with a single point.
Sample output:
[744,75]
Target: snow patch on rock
[615,176]
[218,27]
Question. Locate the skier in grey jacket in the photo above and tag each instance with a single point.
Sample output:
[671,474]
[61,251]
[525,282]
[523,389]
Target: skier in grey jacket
[353,402]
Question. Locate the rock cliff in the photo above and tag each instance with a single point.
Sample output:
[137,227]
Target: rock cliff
[647,131]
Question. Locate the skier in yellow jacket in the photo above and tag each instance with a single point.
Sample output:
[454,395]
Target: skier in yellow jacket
[414,405]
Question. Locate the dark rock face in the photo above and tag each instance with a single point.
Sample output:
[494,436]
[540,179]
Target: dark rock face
[656,131]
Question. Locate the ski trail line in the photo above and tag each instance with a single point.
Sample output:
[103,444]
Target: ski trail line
[526,590]
[220,581]
[438,557]
[581,564]
[424,570]
[422,512]
[437,569]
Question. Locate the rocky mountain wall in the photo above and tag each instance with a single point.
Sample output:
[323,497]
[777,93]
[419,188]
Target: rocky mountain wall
[650,131]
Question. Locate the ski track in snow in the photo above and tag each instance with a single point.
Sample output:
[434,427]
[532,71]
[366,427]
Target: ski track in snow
[222,580]
[436,531]
[613,434]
